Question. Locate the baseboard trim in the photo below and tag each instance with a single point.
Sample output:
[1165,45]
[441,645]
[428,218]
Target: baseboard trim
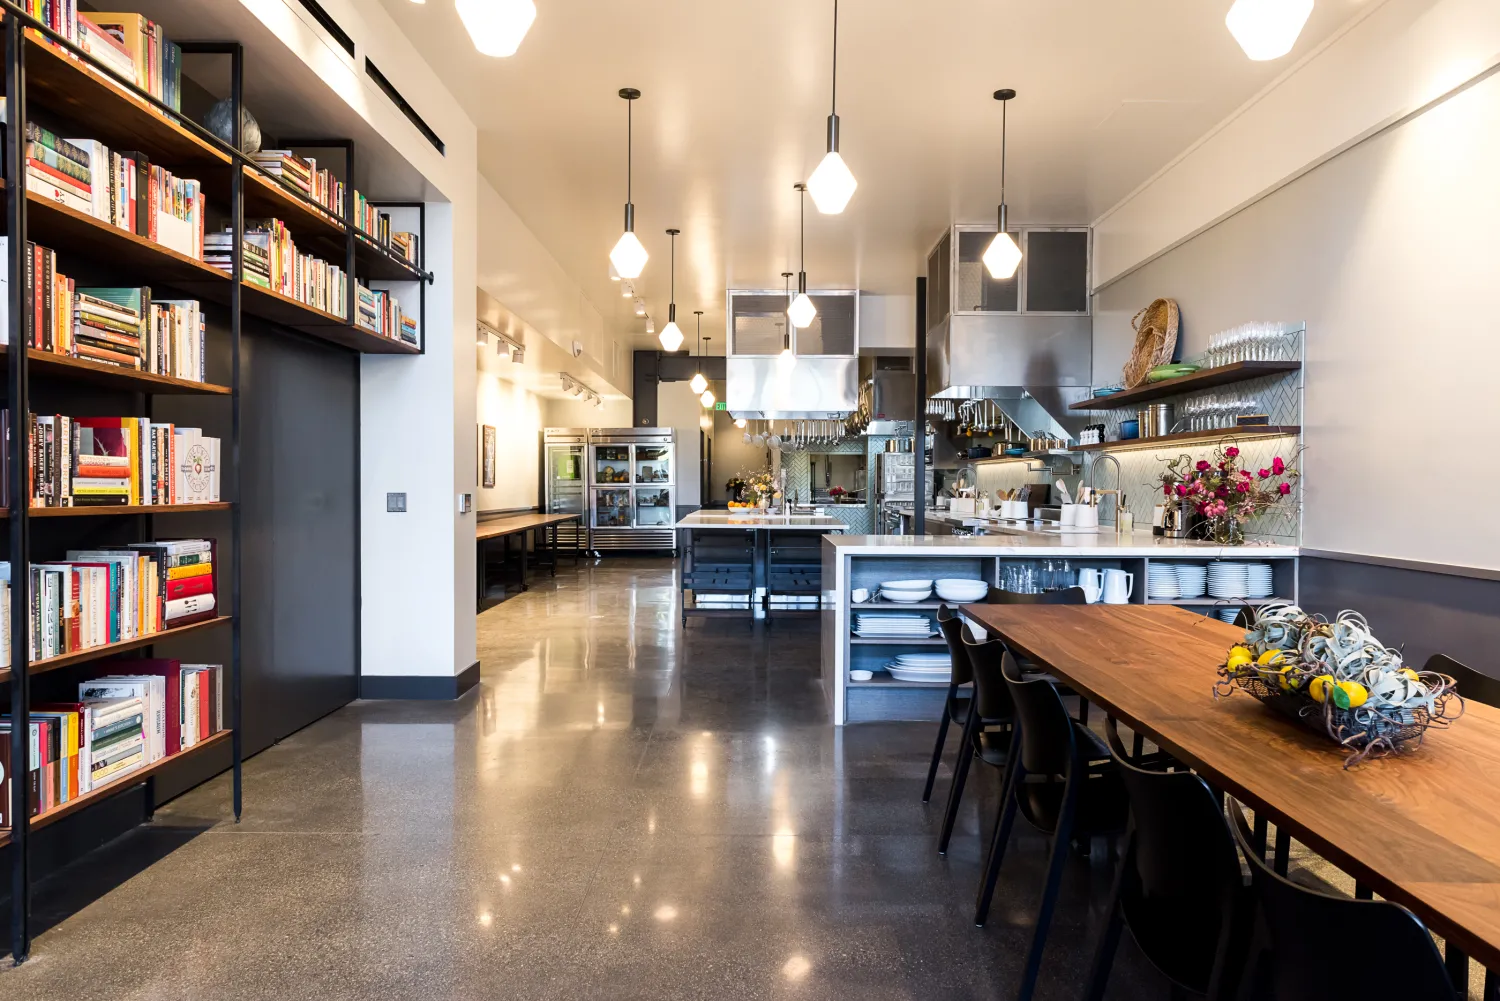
[417,686]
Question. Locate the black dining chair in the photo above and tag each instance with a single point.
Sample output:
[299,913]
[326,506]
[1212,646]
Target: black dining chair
[1179,887]
[987,731]
[1471,684]
[955,704]
[1066,596]
[1064,782]
[1306,930]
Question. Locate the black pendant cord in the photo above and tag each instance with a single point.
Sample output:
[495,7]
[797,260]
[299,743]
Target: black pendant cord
[786,333]
[672,305]
[834,107]
[802,236]
[630,95]
[1004,97]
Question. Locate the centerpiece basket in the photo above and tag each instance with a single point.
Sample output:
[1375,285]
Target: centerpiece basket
[1336,678]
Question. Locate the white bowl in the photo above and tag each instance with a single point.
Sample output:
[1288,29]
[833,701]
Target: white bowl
[906,596]
[861,675]
[906,585]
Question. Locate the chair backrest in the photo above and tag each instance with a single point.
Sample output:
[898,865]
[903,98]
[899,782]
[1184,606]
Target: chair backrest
[1471,684]
[951,625]
[991,697]
[1309,928]
[1184,880]
[1067,596]
[1046,729]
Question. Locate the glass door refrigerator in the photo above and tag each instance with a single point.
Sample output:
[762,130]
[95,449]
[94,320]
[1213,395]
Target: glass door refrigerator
[564,452]
[632,489]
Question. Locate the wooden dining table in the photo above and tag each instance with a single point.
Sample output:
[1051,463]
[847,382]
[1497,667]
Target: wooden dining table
[1421,828]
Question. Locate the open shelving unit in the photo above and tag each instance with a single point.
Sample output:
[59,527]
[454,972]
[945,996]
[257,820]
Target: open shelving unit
[1189,437]
[47,77]
[1204,378]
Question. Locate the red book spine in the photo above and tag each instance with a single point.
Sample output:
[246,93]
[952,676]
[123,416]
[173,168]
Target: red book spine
[189,586]
[205,705]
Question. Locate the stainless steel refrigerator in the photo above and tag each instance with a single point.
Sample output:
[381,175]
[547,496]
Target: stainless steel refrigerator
[564,478]
[632,489]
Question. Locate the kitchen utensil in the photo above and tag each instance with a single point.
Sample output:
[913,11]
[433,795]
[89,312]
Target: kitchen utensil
[1092,582]
[1062,489]
[1130,429]
[1156,420]
[980,451]
[1118,586]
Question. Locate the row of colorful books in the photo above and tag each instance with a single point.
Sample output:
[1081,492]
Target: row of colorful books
[304,175]
[128,714]
[379,312]
[131,44]
[272,260]
[95,597]
[82,461]
[377,225]
[116,325]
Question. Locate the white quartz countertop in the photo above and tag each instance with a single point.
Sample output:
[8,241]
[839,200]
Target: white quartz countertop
[747,519]
[1045,542]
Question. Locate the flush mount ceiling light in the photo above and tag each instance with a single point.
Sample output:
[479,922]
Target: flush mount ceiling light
[802,311]
[671,337]
[832,184]
[1003,256]
[786,360]
[699,383]
[497,26]
[1267,29]
[629,257]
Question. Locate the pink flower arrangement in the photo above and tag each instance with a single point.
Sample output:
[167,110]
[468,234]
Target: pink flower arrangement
[1223,492]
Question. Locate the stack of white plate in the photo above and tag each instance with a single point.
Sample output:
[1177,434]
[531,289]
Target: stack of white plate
[1259,579]
[909,626]
[906,590]
[1161,581]
[1228,614]
[936,668]
[1192,580]
[1228,580]
[963,590]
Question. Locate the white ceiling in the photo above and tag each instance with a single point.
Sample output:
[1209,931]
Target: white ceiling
[735,97]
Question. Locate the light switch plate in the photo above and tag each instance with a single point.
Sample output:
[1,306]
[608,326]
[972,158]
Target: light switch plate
[465,503]
[395,503]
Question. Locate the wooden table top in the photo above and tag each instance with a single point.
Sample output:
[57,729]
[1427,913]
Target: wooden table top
[519,523]
[1422,828]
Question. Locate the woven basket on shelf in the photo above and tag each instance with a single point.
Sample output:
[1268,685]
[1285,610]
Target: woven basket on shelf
[1155,340]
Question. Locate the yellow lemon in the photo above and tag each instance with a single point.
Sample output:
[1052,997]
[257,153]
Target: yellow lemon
[1320,687]
[1407,672]
[1270,657]
[1288,681]
[1238,660]
[1349,695]
[1240,651]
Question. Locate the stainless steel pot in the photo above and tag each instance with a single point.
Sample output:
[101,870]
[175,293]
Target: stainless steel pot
[1178,520]
[1155,420]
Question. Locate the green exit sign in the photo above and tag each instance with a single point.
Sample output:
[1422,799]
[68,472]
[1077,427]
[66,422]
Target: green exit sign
[721,405]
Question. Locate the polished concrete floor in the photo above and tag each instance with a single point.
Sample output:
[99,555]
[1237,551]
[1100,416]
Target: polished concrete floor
[621,810]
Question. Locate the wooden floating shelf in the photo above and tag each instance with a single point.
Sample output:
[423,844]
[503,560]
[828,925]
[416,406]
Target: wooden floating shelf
[103,110]
[1205,378]
[1185,437]
[101,510]
[111,649]
[374,262]
[125,781]
[102,373]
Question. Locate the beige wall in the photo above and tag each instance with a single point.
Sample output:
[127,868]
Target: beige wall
[516,416]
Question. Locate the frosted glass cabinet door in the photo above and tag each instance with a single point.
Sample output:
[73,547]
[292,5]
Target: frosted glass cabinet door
[653,509]
[653,464]
[612,509]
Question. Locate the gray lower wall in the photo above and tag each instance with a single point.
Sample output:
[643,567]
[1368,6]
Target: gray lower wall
[1421,612]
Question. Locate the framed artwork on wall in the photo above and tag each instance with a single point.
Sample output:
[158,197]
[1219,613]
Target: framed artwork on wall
[487,455]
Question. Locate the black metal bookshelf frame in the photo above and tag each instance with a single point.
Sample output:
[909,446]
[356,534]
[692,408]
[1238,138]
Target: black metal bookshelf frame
[17,24]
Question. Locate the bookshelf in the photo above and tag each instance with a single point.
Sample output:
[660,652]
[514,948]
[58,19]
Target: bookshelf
[46,77]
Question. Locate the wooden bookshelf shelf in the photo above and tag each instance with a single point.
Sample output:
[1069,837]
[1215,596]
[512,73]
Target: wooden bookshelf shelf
[283,309]
[101,373]
[112,649]
[99,108]
[376,263]
[108,510]
[73,233]
[1186,437]
[1206,378]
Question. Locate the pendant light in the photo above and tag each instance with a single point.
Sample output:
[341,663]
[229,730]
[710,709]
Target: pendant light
[699,383]
[707,397]
[1267,29]
[786,360]
[496,26]
[832,184]
[670,336]
[629,257]
[1003,256]
[802,311]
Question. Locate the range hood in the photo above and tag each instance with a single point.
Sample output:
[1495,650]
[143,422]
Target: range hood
[823,384]
[984,344]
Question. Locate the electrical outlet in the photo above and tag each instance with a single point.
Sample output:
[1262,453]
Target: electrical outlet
[395,503]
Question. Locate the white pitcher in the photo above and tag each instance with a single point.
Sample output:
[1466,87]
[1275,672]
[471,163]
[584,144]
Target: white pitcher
[1118,586]
[1089,580]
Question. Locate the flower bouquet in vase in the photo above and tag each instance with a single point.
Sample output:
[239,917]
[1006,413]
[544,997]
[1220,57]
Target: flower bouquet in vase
[1225,493]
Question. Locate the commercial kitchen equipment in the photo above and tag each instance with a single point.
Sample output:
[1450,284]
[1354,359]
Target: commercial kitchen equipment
[564,451]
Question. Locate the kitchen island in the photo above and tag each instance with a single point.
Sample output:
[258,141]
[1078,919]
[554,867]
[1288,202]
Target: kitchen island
[737,562]
[1053,556]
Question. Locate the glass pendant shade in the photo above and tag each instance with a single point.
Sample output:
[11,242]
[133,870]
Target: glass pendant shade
[786,361]
[497,26]
[1267,29]
[670,336]
[1003,257]
[707,399]
[832,184]
[802,311]
[698,383]
[629,256]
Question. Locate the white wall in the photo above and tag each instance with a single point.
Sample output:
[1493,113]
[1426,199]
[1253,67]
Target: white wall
[1386,250]
[571,413]
[516,416]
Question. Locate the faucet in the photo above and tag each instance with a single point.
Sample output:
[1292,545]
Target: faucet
[1119,478]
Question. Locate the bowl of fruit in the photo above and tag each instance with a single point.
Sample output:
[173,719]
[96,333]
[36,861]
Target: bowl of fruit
[1338,679]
